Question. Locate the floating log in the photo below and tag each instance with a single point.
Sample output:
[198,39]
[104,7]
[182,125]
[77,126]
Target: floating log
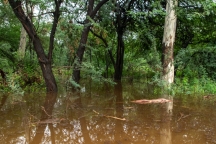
[151,101]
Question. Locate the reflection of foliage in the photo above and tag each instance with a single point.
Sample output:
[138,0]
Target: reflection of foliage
[80,122]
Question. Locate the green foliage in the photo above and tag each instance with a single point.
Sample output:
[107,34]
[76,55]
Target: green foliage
[195,71]
[7,58]
[61,56]
[94,73]
[195,56]
[72,83]
[197,62]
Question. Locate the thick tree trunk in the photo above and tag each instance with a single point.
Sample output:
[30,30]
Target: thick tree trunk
[45,65]
[45,61]
[22,45]
[168,42]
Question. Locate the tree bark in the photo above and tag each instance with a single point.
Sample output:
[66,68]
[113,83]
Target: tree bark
[44,61]
[119,58]
[22,45]
[79,54]
[81,49]
[121,23]
[168,42]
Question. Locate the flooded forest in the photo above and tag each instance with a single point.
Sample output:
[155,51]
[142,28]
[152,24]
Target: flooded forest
[107,72]
[106,115]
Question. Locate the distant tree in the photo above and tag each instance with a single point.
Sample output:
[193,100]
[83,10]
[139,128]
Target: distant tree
[22,45]
[44,60]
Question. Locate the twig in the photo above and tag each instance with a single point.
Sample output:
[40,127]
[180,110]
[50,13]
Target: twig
[95,112]
[182,116]
[123,119]
[45,111]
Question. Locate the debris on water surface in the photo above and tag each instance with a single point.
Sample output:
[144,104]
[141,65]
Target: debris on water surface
[146,101]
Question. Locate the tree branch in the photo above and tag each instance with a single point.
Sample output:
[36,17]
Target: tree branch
[56,15]
[106,45]
[17,8]
[99,5]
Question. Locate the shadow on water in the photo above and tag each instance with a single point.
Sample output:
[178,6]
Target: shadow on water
[105,115]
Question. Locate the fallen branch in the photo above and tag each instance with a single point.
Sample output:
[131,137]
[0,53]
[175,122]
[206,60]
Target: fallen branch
[182,116]
[123,119]
[45,111]
[146,101]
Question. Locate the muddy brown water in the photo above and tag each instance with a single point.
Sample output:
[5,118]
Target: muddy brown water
[105,115]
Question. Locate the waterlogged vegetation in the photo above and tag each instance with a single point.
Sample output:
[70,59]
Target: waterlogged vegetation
[63,61]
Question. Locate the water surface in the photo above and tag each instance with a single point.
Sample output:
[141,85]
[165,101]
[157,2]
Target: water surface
[105,115]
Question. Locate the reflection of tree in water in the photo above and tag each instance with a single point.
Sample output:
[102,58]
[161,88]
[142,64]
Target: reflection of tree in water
[91,128]
[166,117]
[84,126]
[3,100]
[11,120]
[119,113]
[46,113]
[144,123]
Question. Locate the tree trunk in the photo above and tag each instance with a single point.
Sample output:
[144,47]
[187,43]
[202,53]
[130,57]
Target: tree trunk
[79,54]
[45,61]
[119,58]
[121,24]
[81,49]
[22,45]
[168,42]
[45,65]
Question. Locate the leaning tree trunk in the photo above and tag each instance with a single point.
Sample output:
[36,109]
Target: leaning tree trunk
[44,60]
[168,42]
[81,49]
[79,54]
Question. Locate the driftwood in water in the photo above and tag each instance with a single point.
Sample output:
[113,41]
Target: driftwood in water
[146,101]
[122,119]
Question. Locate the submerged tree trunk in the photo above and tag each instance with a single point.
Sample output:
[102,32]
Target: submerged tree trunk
[44,60]
[168,42]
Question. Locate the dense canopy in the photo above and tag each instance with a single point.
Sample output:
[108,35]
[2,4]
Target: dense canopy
[105,41]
